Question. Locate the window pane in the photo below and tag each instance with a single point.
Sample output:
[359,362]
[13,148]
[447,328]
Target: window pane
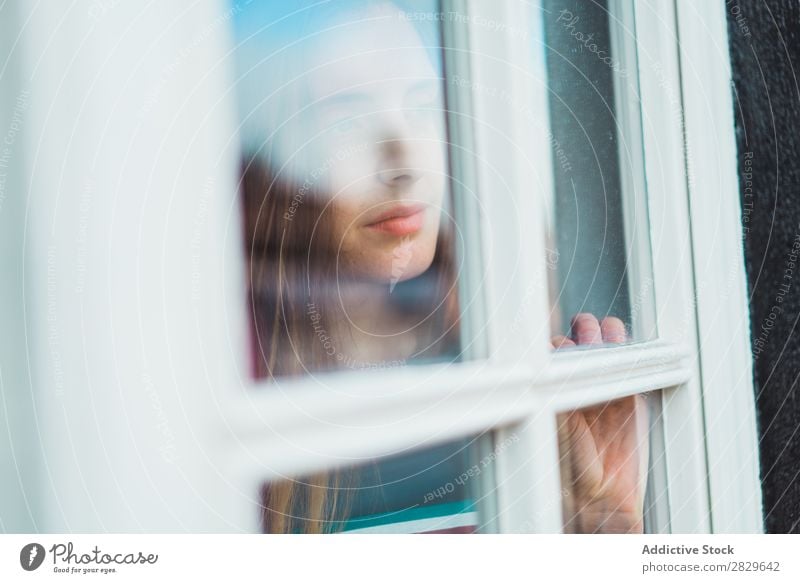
[350,238]
[611,467]
[599,251]
[351,243]
[430,490]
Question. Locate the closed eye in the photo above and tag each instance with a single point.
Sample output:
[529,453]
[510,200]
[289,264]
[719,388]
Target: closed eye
[347,124]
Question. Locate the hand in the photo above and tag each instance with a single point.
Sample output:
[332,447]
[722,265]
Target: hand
[604,449]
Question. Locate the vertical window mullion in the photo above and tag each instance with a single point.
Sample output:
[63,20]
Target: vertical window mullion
[627,105]
[723,327]
[528,476]
[19,458]
[475,326]
[665,166]
[508,97]
[510,175]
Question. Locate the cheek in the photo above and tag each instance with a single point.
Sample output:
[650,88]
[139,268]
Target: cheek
[435,147]
[350,167]
[433,163]
[344,218]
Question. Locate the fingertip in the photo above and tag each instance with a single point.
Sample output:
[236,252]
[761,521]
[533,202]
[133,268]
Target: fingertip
[613,330]
[586,329]
[582,316]
[561,341]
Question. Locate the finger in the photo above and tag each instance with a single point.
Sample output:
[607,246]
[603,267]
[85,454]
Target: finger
[561,341]
[586,329]
[613,330]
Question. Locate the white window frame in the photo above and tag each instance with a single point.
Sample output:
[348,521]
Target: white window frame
[156,425]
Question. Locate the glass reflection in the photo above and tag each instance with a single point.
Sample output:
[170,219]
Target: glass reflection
[604,449]
[349,234]
[604,463]
[429,491]
[345,185]
[598,247]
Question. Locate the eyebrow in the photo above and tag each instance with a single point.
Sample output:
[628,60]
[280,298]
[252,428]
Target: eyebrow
[357,97]
[342,98]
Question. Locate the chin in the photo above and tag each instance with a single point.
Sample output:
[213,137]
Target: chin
[396,261]
[391,270]
[407,275]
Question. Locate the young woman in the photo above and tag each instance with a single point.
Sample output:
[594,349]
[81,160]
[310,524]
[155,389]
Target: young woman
[351,241]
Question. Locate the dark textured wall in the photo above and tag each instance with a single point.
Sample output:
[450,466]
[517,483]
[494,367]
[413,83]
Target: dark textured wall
[764,45]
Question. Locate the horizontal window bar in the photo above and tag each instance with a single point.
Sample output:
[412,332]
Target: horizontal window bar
[286,427]
[581,377]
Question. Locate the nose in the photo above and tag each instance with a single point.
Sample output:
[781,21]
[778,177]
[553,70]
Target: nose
[397,169]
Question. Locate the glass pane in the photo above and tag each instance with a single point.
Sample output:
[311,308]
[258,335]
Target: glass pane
[351,242]
[349,231]
[434,490]
[598,247]
[612,468]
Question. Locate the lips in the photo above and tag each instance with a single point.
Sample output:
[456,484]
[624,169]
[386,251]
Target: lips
[400,220]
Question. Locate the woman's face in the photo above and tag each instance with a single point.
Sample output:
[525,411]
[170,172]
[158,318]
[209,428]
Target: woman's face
[376,144]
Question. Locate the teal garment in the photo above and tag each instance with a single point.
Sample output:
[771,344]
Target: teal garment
[411,515]
[425,484]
